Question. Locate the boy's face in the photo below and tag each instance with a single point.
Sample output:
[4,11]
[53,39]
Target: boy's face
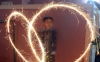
[48,23]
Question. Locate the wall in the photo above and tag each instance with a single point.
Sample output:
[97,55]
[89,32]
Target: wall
[14,1]
[6,50]
[44,1]
[70,34]
[48,1]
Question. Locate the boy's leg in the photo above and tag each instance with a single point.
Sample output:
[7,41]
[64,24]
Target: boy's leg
[48,57]
[52,58]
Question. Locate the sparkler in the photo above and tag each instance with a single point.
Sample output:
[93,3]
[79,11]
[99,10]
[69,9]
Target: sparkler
[31,29]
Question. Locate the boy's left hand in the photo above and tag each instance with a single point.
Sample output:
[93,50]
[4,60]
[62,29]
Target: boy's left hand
[53,52]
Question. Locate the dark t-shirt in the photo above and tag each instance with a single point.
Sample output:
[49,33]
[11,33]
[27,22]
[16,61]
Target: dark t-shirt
[48,39]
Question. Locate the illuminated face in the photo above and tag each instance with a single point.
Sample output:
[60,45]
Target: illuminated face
[48,23]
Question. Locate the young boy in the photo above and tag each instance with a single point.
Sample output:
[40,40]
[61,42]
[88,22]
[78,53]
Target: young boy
[48,37]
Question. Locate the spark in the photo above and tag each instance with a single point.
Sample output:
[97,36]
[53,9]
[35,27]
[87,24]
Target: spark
[71,7]
[15,13]
[31,29]
[8,31]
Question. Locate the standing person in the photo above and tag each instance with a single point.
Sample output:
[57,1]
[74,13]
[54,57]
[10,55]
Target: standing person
[48,37]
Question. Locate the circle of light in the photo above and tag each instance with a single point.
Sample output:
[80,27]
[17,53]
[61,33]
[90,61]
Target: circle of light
[32,29]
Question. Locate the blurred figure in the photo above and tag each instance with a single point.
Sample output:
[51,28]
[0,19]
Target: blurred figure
[48,37]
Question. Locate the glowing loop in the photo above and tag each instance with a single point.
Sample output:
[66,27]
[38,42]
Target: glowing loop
[32,29]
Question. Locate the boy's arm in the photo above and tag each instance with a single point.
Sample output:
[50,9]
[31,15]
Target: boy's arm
[54,43]
[54,40]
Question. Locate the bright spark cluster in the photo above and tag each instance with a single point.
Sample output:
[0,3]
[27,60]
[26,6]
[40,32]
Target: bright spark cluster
[31,29]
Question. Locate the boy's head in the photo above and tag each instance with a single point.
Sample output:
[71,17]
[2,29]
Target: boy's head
[48,21]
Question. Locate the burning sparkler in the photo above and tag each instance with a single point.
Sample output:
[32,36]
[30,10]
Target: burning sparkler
[31,29]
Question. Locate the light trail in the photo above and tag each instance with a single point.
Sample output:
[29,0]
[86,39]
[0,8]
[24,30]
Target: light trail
[15,13]
[67,6]
[31,29]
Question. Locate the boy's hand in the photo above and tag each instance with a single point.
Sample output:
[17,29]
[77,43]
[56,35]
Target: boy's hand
[53,52]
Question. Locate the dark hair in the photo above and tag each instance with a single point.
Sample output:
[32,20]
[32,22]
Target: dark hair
[47,17]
